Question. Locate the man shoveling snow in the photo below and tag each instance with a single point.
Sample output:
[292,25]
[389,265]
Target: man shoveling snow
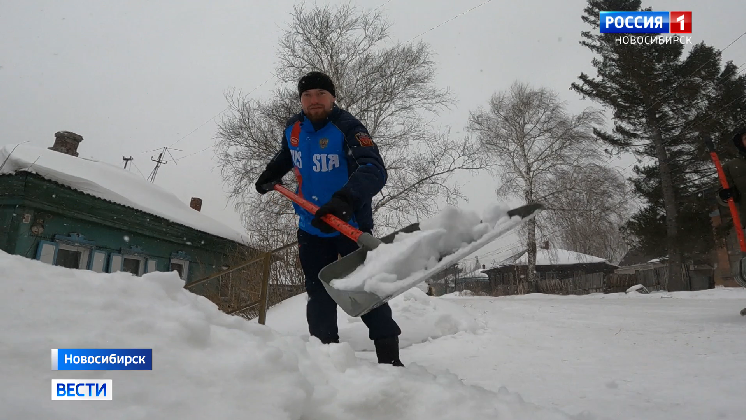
[337,165]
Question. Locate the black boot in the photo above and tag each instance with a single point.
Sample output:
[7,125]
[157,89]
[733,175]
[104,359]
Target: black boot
[387,350]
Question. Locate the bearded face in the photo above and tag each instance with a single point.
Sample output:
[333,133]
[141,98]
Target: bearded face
[316,104]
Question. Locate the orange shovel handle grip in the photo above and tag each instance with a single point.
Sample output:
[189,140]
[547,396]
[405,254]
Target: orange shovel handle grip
[731,203]
[331,219]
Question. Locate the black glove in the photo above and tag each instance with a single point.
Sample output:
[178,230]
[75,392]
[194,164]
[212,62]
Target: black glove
[726,193]
[266,180]
[340,205]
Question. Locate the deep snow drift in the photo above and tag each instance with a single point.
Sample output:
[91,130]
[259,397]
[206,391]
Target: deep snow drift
[205,364]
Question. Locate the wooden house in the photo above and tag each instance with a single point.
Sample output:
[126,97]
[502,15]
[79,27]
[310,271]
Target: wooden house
[558,271]
[79,213]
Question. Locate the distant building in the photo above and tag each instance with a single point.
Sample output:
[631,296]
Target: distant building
[638,268]
[558,271]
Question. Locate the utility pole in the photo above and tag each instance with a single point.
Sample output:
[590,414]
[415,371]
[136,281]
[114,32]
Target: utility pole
[158,164]
[127,160]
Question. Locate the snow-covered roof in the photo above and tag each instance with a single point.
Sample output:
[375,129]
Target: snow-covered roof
[556,256]
[110,183]
[476,274]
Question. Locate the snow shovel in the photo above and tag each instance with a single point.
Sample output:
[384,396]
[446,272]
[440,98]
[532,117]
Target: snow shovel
[358,303]
[364,240]
[741,278]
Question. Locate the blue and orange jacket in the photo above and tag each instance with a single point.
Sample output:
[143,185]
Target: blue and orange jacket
[329,156]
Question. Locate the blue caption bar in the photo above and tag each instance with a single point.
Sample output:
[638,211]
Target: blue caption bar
[634,22]
[102,359]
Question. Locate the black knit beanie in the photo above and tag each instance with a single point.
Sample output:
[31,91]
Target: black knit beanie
[315,80]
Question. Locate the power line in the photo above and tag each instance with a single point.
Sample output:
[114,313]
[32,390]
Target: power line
[151,150]
[447,21]
[507,250]
[382,5]
[275,75]
[686,78]
[172,156]
[138,170]
[676,84]
[703,101]
[195,153]
[706,117]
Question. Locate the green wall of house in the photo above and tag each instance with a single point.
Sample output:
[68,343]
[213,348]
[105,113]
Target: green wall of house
[8,229]
[28,201]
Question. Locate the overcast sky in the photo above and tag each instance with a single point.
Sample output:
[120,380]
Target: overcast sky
[132,76]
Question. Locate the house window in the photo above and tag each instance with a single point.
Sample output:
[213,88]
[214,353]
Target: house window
[72,251]
[181,267]
[68,259]
[134,265]
[72,256]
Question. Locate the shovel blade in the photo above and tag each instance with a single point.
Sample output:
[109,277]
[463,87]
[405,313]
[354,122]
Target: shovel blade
[355,303]
[741,277]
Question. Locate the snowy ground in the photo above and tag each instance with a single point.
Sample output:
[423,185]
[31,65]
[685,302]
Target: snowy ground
[675,355]
[530,357]
[613,356]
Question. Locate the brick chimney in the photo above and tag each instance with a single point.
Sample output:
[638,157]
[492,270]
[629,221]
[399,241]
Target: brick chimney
[196,203]
[66,142]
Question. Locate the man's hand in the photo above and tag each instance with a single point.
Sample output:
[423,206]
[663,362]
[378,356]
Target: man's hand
[340,205]
[264,183]
[726,193]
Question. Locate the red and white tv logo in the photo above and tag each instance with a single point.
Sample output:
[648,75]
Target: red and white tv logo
[680,22]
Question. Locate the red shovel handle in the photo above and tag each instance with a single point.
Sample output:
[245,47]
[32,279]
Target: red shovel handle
[731,203]
[331,219]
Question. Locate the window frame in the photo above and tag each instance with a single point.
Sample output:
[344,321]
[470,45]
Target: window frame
[141,268]
[185,267]
[42,253]
[85,254]
[92,266]
[148,262]
[112,266]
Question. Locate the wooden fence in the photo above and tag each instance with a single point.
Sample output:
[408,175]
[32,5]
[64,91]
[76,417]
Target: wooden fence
[263,280]
[260,281]
[579,283]
[653,279]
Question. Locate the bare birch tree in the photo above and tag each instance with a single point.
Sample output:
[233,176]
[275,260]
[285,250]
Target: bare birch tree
[529,136]
[589,205]
[388,86]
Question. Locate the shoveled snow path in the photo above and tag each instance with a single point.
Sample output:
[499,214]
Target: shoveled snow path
[614,356]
